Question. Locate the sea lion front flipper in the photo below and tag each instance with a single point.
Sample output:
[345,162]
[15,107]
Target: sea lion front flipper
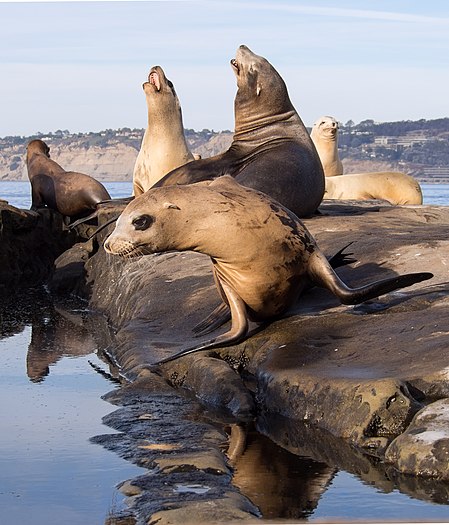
[238,331]
[220,315]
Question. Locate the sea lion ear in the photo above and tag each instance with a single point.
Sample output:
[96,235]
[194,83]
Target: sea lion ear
[171,206]
[259,89]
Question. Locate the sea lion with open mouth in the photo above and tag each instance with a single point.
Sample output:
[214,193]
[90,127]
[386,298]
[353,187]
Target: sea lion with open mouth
[164,146]
[271,150]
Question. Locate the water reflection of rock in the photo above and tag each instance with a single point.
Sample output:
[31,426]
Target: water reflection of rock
[57,330]
[56,334]
[304,440]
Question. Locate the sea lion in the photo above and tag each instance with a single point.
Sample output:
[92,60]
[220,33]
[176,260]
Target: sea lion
[71,193]
[271,149]
[324,135]
[263,256]
[395,187]
[164,146]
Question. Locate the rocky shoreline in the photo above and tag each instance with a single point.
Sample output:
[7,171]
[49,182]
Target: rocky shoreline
[363,388]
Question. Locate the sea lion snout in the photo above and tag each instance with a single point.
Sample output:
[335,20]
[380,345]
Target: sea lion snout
[118,246]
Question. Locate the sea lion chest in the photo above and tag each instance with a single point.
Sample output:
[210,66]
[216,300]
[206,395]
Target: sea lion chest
[265,262]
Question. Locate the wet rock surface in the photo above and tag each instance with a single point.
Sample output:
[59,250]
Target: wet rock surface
[346,382]
[360,372]
[423,448]
[189,477]
[29,243]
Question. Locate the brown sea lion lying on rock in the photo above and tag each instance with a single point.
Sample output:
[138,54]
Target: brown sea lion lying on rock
[393,186]
[70,193]
[263,256]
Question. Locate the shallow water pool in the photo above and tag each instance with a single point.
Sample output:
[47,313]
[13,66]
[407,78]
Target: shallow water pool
[51,473]
[51,406]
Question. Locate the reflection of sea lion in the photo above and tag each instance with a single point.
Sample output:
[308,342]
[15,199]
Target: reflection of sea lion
[263,256]
[324,135]
[72,194]
[392,186]
[164,146]
[271,151]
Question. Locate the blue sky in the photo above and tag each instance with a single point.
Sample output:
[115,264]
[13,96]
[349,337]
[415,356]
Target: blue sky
[80,65]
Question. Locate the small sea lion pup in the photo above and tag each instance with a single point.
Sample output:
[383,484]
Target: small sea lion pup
[164,146]
[324,135]
[262,255]
[393,186]
[71,193]
[271,149]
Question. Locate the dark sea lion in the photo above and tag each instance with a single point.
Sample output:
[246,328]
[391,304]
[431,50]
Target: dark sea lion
[263,256]
[272,150]
[164,146]
[70,193]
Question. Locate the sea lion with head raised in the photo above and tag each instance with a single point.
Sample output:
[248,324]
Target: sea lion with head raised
[164,146]
[393,186]
[324,135]
[263,256]
[271,150]
[71,193]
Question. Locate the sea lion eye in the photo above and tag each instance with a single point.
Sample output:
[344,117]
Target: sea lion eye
[142,222]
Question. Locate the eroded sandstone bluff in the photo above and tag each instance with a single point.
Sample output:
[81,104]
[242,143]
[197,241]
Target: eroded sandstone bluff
[364,388]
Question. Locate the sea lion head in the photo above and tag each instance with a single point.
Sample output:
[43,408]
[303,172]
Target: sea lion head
[147,225]
[161,96]
[258,82]
[37,146]
[326,128]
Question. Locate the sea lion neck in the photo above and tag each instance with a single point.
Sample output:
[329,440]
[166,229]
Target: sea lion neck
[257,131]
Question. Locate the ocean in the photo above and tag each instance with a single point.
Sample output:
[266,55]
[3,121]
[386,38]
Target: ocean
[19,193]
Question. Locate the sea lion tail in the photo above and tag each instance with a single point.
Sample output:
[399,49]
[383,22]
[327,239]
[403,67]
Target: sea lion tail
[323,275]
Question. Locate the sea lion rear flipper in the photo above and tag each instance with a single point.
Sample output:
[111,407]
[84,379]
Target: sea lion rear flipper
[322,274]
[341,259]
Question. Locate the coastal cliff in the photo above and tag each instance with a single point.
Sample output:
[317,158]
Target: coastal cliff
[419,148]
